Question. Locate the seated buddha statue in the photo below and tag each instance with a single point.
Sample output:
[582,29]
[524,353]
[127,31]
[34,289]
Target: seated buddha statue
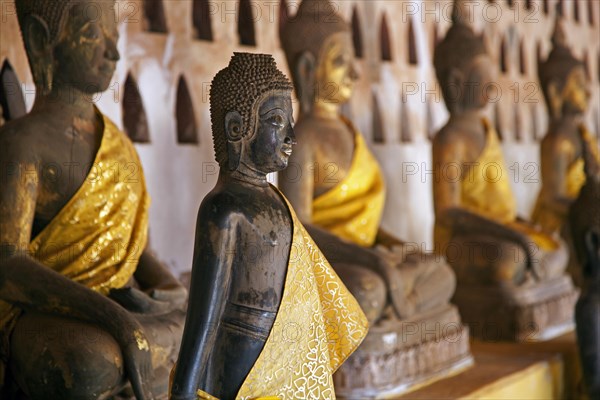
[335,183]
[584,218]
[566,90]
[267,316]
[85,305]
[476,221]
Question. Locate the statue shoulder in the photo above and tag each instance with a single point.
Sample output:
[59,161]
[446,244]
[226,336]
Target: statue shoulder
[227,205]
[19,138]
[448,139]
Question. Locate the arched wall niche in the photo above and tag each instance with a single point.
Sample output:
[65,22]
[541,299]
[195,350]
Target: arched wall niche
[154,16]
[245,29]
[12,102]
[135,120]
[201,20]
[185,116]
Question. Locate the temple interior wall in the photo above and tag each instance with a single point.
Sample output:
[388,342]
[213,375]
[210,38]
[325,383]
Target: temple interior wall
[168,61]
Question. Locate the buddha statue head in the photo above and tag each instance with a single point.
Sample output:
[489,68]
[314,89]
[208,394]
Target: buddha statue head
[584,216]
[563,78]
[251,114]
[70,43]
[320,54]
[462,65]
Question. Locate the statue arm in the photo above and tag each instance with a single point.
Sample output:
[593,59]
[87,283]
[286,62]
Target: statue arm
[160,291]
[555,170]
[214,253]
[51,292]
[449,211]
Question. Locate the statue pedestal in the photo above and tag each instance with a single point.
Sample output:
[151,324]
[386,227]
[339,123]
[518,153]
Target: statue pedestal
[535,313]
[398,355]
[510,371]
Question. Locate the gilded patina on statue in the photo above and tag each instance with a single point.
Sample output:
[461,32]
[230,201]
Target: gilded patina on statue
[584,218]
[267,315]
[337,188]
[85,306]
[566,89]
[500,261]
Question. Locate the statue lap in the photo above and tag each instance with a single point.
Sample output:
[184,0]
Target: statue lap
[75,359]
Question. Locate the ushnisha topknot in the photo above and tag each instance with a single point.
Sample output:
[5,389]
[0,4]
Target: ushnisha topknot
[560,61]
[315,21]
[240,87]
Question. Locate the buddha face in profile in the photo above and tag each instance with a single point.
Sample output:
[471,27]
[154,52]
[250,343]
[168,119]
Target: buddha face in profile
[270,148]
[251,115]
[464,69]
[336,74]
[576,94]
[472,82]
[78,49]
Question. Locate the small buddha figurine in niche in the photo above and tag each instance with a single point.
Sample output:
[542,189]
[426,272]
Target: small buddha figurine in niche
[267,315]
[566,89]
[336,186]
[476,223]
[584,218]
[74,261]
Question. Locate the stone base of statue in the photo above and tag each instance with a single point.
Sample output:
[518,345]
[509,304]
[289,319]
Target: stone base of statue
[399,355]
[533,313]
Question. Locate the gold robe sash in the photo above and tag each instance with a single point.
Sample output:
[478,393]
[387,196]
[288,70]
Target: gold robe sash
[318,325]
[486,190]
[352,210]
[98,236]
[546,214]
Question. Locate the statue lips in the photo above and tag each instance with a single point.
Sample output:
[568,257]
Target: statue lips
[287,150]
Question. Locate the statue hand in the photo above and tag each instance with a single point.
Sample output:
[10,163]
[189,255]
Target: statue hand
[175,295]
[389,262]
[138,365]
[136,301]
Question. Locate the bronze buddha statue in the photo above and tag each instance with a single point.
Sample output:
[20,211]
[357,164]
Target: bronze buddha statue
[566,90]
[336,184]
[584,218]
[337,188]
[85,306]
[267,315]
[476,222]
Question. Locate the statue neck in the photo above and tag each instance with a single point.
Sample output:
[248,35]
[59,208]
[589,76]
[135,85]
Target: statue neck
[245,174]
[470,114]
[67,99]
[325,109]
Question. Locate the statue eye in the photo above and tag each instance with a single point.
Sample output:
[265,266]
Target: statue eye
[91,33]
[277,120]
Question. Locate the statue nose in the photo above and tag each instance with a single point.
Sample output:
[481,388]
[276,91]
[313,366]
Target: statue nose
[111,51]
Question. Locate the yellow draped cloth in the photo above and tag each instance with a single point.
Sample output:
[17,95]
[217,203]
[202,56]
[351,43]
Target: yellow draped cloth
[98,236]
[546,214]
[318,325]
[486,190]
[352,209]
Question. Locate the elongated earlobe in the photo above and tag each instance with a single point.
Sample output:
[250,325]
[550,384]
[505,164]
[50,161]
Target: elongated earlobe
[234,132]
[305,77]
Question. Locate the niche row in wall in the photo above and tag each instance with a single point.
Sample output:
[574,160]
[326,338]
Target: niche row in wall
[524,120]
[156,22]
[135,121]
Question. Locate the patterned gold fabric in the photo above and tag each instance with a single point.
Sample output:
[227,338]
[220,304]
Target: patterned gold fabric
[546,214]
[99,235]
[352,210]
[486,190]
[318,325]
